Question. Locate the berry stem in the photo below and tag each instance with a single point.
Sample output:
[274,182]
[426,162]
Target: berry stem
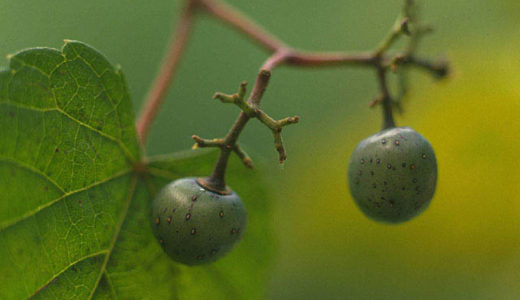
[217,179]
[386,99]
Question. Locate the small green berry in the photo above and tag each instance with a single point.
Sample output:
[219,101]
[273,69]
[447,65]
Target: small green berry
[392,175]
[195,225]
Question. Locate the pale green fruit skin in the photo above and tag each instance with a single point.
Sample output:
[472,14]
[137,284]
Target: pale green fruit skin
[392,175]
[194,225]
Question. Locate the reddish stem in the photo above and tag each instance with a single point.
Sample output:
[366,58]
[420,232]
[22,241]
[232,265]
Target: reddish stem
[281,54]
[164,78]
[237,20]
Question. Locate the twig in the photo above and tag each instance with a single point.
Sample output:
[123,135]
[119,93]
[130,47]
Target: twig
[216,181]
[252,110]
[165,76]
[239,21]
[282,54]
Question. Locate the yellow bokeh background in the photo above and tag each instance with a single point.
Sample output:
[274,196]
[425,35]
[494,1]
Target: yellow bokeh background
[466,245]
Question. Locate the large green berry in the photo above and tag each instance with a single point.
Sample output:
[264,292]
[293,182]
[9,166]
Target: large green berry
[392,175]
[195,225]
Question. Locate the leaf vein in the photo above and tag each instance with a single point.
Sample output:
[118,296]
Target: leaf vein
[28,214]
[111,285]
[120,143]
[116,234]
[32,169]
[68,267]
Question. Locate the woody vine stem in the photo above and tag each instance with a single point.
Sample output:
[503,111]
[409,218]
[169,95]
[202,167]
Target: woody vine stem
[380,59]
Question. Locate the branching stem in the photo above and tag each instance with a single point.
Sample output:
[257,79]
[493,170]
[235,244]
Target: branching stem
[281,54]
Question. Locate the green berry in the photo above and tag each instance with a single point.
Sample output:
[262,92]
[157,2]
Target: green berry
[392,175]
[195,225]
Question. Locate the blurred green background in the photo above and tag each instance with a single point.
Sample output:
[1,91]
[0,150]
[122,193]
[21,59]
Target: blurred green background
[465,246]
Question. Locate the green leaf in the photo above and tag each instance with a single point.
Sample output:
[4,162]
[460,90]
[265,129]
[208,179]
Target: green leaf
[74,212]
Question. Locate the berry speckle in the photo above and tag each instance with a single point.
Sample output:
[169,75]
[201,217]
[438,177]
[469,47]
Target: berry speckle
[208,232]
[398,190]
